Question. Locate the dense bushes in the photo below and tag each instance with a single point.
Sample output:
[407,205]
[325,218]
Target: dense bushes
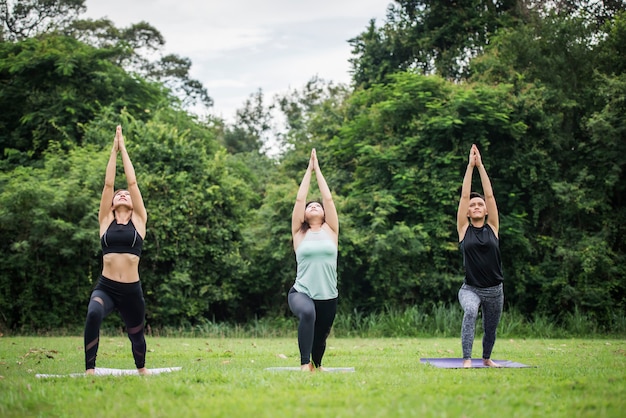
[543,102]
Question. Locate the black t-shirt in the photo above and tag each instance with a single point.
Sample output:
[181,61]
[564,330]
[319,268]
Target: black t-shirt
[481,257]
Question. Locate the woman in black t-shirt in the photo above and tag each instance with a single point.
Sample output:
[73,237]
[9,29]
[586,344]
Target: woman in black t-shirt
[477,225]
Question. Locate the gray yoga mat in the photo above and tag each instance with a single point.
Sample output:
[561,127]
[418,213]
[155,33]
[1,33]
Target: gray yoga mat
[457,363]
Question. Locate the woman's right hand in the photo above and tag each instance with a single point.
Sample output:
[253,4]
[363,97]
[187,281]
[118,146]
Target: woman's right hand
[473,156]
[313,163]
[119,138]
[116,140]
[478,159]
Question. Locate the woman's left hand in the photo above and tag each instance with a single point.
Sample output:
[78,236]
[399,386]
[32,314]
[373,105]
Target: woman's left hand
[314,160]
[119,138]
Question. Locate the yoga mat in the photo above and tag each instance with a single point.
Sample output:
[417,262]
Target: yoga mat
[457,363]
[326,369]
[103,371]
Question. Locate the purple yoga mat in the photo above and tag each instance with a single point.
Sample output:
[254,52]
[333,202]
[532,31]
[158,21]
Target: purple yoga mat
[457,363]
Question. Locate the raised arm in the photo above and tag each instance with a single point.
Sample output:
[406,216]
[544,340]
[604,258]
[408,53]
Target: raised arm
[493,218]
[297,216]
[140,216]
[330,211]
[461,215]
[105,214]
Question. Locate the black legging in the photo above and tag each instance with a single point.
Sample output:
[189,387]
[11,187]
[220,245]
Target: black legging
[129,301]
[316,319]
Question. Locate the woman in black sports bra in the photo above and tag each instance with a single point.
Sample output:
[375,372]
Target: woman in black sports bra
[122,218]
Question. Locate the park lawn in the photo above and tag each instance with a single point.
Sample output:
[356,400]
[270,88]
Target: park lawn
[227,378]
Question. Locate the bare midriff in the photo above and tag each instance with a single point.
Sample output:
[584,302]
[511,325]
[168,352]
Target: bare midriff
[121,267]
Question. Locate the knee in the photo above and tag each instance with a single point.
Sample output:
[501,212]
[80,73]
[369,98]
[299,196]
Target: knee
[471,313]
[95,311]
[491,326]
[307,315]
[137,330]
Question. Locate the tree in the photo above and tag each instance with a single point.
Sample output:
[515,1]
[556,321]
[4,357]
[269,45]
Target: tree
[52,85]
[173,72]
[252,126]
[563,64]
[135,43]
[442,37]
[194,266]
[404,149]
[311,111]
[32,18]
[434,37]
[48,217]
[22,19]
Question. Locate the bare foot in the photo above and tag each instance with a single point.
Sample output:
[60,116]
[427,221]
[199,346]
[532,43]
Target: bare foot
[467,363]
[306,367]
[489,363]
[321,369]
[90,371]
[144,372]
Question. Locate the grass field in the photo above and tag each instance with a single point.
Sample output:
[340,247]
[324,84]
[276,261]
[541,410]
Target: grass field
[227,378]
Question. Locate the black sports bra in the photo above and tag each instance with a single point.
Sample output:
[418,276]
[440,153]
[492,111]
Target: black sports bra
[120,238]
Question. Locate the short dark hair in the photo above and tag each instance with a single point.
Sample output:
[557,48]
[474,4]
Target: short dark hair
[476,194]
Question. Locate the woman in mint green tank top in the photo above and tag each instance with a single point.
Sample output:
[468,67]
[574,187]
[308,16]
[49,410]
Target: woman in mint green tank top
[313,297]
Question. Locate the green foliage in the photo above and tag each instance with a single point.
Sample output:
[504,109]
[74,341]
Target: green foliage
[577,164]
[251,126]
[173,71]
[444,320]
[541,112]
[404,149]
[192,265]
[542,96]
[433,37]
[52,85]
[48,217]
[440,37]
[312,114]
[136,47]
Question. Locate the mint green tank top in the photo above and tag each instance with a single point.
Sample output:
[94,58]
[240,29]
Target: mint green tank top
[316,257]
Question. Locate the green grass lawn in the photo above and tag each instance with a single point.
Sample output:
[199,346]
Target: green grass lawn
[227,378]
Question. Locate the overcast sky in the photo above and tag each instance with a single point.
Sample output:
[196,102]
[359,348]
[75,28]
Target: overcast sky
[239,46]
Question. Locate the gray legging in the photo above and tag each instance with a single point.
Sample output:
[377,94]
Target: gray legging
[316,319]
[492,301]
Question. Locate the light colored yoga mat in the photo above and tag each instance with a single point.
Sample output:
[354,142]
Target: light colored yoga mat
[103,371]
[457,363]
[326,369]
